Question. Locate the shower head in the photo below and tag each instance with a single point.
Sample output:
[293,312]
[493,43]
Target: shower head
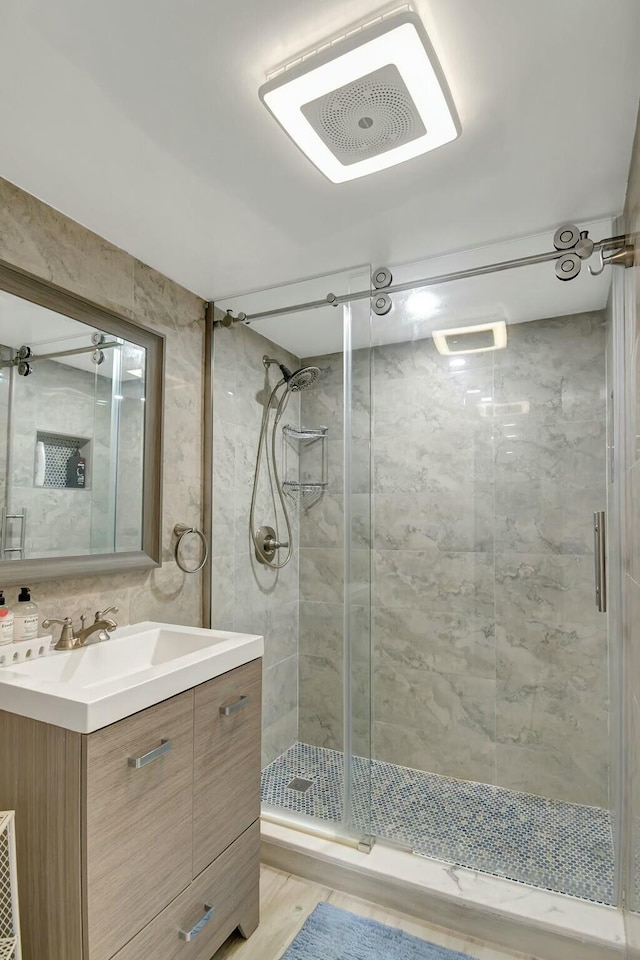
[303,378]
[299,379]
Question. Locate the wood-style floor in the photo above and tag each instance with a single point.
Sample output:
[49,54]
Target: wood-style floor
[287,901]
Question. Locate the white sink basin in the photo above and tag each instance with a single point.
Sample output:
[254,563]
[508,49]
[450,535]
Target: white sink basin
[136,667]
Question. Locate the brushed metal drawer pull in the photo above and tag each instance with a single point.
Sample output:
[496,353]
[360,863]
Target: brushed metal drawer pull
[155,754]
[188,935]
[234,707]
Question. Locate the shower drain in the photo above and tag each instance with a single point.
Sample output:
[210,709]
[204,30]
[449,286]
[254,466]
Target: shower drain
[300,785]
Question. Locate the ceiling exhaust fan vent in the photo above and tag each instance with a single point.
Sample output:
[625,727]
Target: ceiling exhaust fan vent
[375,98]
[366,117]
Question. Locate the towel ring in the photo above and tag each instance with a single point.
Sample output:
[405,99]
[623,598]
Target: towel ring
[181,531]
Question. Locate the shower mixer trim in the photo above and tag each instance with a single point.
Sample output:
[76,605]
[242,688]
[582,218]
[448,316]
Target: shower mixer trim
[268,543]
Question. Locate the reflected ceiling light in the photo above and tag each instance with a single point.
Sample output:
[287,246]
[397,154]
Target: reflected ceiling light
[366,101]
[497,327]
[422,304]
[457,362]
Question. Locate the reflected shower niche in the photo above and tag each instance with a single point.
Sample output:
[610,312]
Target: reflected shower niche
[62,461]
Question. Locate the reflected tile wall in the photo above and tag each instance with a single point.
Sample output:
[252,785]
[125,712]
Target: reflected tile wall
[41,240]
[248,596]
[130,463]
[61,399]
[490,661]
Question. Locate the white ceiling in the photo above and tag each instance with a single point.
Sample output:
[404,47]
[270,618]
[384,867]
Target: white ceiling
[142,121]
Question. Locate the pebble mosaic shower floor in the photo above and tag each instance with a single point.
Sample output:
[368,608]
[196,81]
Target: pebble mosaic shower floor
[560,846]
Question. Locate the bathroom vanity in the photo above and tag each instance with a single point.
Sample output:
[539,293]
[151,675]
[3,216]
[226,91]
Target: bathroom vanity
[137,838]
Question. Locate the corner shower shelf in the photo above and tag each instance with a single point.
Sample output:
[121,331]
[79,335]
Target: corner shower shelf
[305,462]
[305,434]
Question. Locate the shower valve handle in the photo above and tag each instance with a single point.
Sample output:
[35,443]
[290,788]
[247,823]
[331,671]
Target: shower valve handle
[272,544]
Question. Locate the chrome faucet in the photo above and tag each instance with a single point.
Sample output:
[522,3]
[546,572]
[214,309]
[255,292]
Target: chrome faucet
[70,640]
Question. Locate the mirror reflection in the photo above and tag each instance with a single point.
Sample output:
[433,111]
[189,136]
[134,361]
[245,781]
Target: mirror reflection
[72,401]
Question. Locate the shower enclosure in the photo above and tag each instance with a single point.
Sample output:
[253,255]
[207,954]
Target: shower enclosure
[437,673]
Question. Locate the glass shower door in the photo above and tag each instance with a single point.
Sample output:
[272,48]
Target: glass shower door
[491,705]
[357,574]
[314,612]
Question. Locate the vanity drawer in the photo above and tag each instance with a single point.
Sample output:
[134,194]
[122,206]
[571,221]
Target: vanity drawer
[138,782]
[227,735]
[223,897]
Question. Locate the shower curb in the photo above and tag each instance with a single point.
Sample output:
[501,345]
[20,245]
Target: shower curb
[515,916]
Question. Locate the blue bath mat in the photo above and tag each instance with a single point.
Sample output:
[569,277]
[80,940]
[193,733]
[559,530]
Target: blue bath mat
[333,934]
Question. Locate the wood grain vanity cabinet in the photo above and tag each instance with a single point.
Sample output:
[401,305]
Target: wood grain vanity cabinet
[139,841]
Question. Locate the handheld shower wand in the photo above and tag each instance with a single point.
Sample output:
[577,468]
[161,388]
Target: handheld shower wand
[266,540]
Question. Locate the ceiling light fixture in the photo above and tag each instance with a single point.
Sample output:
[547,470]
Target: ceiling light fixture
[375,98]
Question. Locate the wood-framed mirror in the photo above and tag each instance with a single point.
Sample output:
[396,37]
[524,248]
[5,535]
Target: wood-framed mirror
[81,404]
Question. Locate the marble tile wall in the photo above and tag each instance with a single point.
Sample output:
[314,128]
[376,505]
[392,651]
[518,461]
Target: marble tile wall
[44,242]
[322,565]
[322,571]
[248,596]
[490,662]
[551,642]
[631,559]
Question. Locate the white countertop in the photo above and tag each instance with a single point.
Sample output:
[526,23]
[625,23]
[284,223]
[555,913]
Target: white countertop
[137,667]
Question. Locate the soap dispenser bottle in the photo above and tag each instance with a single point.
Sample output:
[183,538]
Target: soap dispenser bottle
[25,617]
[6,622]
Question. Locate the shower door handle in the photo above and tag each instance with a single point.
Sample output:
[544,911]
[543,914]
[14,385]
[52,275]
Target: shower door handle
[600,558]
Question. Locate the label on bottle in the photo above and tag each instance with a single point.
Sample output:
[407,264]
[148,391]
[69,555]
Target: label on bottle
[76,470]
[25,628]
[6,627]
